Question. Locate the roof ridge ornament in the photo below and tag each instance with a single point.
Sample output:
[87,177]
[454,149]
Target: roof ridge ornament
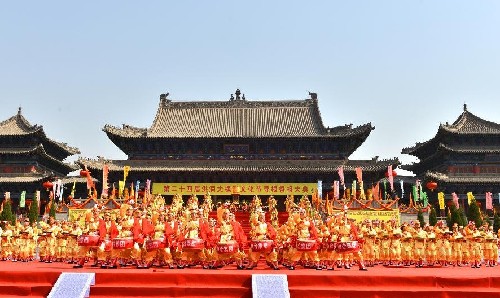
[313,95]
[465,107]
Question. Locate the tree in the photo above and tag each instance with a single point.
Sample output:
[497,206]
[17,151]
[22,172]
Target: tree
[33,212]
[7,214]
[433,216]
[463,219]
[52,211]
[496,222]
[420,217]
[474,214]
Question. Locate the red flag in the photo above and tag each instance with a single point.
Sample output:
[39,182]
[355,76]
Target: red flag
[336,189]
[489,201]
[390,177]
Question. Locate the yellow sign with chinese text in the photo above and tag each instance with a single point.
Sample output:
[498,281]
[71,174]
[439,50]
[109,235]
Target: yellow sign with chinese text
[385,215]
[235,188]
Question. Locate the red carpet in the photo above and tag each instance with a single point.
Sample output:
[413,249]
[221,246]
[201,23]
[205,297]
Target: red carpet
[36,280]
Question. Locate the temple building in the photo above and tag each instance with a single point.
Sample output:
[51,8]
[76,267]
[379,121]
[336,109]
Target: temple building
[28,157]
[203,144]
[462,157]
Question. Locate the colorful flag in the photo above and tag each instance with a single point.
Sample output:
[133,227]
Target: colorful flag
[390,177]
[22,200]
[415,192]
[424,198]
[359,174]
[121,188]
[126,169]
[454,197]
[320,189]
[340,170]
[441,200]
[7,195]
[470,197]
[37,197]
[489,201]
[353,189]
[336,189]
[137,189]
[105,187]
[402,189]
[73,189]
[148,187]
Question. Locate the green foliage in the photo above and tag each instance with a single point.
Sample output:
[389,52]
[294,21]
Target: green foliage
[433,216]
[420,217]
[463,218]
[496,222]
[449,223]
[7,214]
[33,211]
[474,214]
[52,211]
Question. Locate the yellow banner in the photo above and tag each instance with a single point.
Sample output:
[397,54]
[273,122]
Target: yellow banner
[235,188]
[441,200]
[361,215]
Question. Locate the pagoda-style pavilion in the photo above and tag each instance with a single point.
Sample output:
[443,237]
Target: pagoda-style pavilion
[462,157]
[238,141]
[28,157]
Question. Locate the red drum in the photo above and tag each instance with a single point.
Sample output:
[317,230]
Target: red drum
[262,245]
[193,244]
[152,245]
[306,245]
[88,240]
[227,248]
[123,243]
[347,247]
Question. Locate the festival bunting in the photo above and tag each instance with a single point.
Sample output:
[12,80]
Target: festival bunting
[489,201]
[22,200]
[441,200]
[455,199]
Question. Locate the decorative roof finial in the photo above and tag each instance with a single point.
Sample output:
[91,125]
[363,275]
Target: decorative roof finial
[313,95]
[465,107]
[237,93]
[19,111]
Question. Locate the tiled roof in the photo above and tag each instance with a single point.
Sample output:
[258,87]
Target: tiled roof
[17,125]
[37,150]
[239,165]
[470,149]
[22,179]
[466,123]
[473,179]
[238,118]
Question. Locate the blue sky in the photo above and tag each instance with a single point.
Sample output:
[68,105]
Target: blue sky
[404,66]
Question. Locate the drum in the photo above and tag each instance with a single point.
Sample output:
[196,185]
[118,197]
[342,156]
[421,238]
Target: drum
[306,245]
[123,243]
[153,245]
[262,245]
[330,246]
[88,240]
[227,248]
[347,247]
[193,244]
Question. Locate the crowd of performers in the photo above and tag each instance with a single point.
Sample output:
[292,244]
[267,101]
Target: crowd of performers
[179,236]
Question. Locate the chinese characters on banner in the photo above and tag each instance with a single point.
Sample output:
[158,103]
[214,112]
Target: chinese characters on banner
[228,188]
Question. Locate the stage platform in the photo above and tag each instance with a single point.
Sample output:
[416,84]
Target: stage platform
[36,279]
